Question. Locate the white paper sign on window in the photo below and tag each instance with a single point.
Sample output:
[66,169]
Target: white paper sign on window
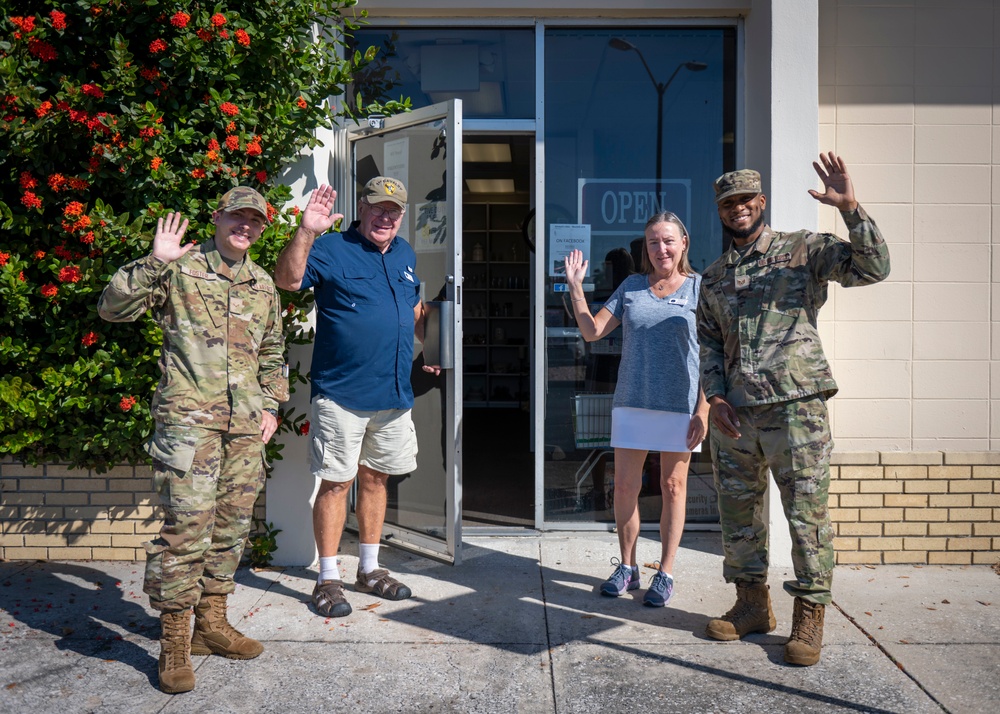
[564,237]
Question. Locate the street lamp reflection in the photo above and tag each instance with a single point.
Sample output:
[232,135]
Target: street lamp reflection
[624,45]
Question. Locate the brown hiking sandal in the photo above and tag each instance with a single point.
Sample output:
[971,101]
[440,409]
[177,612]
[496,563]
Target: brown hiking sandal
[328,599]
[383,585]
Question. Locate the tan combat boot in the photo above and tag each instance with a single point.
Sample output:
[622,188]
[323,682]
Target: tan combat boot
[806,641]
[176,672]
[751,613]
[214,635]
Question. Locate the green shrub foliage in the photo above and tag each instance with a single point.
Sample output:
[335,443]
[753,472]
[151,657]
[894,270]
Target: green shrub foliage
[113,112]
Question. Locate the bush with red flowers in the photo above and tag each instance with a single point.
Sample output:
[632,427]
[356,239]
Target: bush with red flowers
[111,114]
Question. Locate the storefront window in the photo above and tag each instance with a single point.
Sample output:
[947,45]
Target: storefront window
[636,121]
[491,70]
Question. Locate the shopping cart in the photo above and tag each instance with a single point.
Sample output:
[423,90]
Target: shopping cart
[591,430]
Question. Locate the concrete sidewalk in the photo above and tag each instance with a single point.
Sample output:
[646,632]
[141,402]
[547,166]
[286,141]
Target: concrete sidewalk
[517,628]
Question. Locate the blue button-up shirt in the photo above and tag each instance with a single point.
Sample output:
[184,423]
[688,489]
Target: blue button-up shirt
[363,350]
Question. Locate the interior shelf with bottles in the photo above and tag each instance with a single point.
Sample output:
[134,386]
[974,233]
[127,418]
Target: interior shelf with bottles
[497,304]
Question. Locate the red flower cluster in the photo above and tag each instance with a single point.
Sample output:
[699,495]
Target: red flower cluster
[304,429]
[261,176]
[229,109]
[92,90]
[180,20]
[243,38]
[38,254]
[58,20]
[253,147]
[232,142]
[271,212]
[49,290]
[127,403]
[57,182]
[301,103]
[42,50]
[82,223]
[70,274]
[87,238]
[156,163]
[25,24]
[73,208]
[149,73]
[62,252]
[148,132]
[43,109]
[4,257]
[230,127]
[198,173]
[203,34]
[30,200]
[157,46]
[27,180]
[89,339]
[218,19]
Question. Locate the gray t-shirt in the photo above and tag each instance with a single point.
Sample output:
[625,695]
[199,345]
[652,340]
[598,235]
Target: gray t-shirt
[659,368]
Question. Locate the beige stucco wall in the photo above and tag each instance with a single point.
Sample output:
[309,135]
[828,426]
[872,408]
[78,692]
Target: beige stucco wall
[906,94]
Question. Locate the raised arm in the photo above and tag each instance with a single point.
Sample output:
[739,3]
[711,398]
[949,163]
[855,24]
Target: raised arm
[592,327]
[864,259]
[137,286]
[317,219]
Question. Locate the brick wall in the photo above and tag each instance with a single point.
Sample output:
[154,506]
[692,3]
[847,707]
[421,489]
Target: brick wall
[934,508]
[886,507]
[53,512]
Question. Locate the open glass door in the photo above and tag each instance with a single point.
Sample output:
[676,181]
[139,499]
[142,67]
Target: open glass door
[423,149]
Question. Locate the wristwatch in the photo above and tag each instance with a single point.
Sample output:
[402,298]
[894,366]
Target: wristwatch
[272,412]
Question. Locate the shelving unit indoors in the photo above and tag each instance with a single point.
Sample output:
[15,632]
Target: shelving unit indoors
[496,312]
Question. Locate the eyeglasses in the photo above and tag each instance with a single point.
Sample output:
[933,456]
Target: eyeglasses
[378,211]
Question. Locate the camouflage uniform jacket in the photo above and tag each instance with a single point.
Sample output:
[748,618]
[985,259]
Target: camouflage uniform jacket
[222,359]
[757,313]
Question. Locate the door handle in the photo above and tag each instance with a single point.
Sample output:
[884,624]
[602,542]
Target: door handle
[439,333]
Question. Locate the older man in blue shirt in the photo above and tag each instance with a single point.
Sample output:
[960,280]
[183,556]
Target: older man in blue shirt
[368,309]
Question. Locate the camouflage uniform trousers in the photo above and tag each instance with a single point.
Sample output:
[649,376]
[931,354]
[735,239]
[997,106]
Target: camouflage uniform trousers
[793,440]
[208,482]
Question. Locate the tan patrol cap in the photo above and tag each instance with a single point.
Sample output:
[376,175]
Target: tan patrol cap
[242,197]
[744,181]
[383,188]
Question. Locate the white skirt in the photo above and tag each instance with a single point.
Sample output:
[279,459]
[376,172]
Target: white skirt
[650,430]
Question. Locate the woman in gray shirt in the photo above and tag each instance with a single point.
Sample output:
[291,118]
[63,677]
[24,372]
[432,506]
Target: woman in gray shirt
[658,404]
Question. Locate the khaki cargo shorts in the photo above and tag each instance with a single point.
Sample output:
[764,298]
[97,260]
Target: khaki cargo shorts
[342,439]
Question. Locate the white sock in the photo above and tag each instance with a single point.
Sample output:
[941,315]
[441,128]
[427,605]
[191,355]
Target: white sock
[368,553]
[328,568]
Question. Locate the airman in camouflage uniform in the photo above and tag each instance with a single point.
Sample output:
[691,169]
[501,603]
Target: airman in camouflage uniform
[223,376]
[767,380]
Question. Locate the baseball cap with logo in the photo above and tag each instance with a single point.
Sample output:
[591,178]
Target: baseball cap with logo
[744,181]
[383,188]
[242,197]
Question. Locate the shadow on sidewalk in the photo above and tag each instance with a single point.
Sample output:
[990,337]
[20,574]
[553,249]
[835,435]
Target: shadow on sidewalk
[81,609]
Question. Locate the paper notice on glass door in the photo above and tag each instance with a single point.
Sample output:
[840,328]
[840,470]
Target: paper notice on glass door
[396,160]
[564,237]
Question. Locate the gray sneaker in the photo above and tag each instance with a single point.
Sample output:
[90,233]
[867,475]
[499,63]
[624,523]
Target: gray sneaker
[624,578]
[661,589]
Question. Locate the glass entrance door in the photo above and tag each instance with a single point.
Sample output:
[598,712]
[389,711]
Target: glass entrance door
[637,120]
[423,149]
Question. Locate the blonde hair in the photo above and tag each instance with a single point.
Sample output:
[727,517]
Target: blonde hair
[645,266]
